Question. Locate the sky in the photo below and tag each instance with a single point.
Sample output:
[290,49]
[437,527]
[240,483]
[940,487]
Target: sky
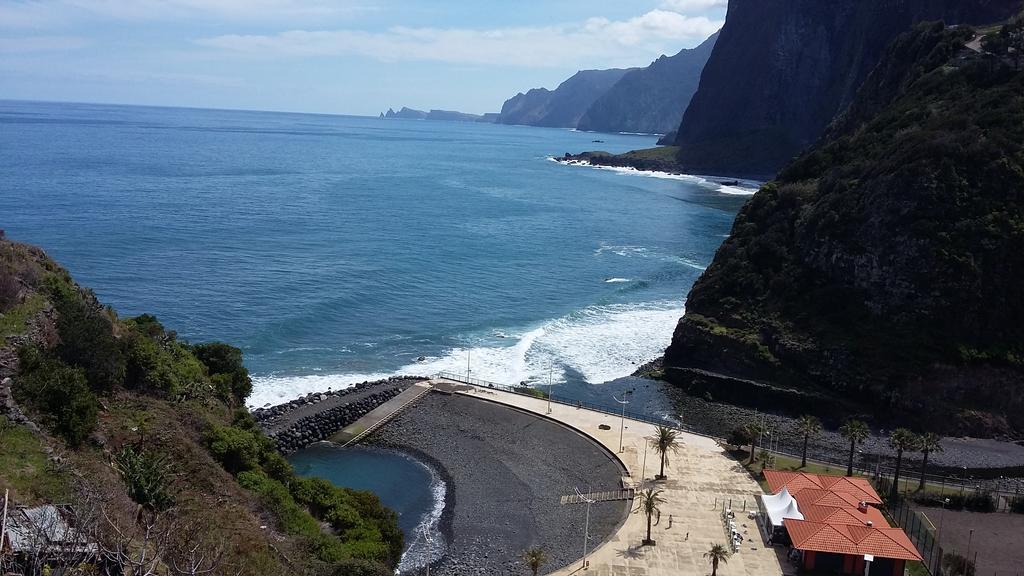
[329,56]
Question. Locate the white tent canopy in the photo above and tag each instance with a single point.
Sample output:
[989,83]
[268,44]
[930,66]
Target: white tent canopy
[781,506]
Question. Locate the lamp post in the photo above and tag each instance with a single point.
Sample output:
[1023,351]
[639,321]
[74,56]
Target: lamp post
[967,557]
[469,352]
[549,388]
[586,525]
[938,535]
[622,421]
[643,469]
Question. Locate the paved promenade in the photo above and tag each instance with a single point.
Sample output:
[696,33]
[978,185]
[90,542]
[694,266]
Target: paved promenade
[698,475]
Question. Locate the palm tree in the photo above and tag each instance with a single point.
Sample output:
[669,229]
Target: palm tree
[808,426]
[927,444]
[649,500]
[900,440]
[666,440]
[716,554]
[534,559]
[856,432]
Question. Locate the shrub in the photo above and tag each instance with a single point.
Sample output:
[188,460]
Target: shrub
[238,450]
[224,363]
[86,335]
[1017,505]
[740,436]
[60,393]
[147,477]
[953,563]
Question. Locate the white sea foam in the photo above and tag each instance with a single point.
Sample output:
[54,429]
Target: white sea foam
[420,552]
[279,389]
[616,280]
[741,188]
[601,343]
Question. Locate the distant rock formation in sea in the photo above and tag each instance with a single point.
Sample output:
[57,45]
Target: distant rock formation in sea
[413,114]
[650,100]
[782,69]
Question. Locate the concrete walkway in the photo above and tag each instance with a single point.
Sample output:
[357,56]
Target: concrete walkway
[700,477]
[373,419]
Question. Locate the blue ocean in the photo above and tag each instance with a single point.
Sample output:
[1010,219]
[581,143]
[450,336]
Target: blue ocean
[336,249]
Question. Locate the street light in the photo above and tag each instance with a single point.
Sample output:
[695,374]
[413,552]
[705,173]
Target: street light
[549,388]
[622,422]
[938,536]
[586,525]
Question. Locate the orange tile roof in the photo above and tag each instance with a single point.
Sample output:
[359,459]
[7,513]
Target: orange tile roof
[797,482]
[884,542]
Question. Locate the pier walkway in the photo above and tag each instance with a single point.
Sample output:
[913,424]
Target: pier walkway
[379,416]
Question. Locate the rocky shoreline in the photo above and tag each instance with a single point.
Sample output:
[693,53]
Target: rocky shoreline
[505,471]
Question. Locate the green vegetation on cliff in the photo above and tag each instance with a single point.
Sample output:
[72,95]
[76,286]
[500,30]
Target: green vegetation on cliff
[885,264]
[146,435]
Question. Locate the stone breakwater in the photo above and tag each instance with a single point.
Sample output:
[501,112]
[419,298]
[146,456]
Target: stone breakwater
[317,416]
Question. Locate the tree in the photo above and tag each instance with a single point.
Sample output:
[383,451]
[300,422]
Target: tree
[856,432]
[927,444]
[808,426]
[717,554]
[754,431]
[665,440]
[534,559]
[649,501]
[900,440]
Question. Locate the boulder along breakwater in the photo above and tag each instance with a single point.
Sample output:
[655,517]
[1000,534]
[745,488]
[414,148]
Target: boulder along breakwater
[317,416]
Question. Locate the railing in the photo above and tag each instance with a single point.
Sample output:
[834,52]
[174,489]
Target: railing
[376,425]
[605,409]
[863,464]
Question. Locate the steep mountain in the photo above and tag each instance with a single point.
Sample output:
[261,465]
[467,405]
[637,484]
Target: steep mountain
[882,268]
[652,99]
[782,69]
[565,105]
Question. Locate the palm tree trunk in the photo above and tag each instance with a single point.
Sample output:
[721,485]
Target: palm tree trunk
[714,567]
[803,459]
[662,475]
[753,448]
[924,467]
[849,466]
[896,477]
[648,527]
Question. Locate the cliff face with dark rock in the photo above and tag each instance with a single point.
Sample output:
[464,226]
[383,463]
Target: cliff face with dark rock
[782,69]
[564,106]
[650,100]
[884,265]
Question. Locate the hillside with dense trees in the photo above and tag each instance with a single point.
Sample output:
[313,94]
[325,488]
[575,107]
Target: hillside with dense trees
[884,265]
[147,436]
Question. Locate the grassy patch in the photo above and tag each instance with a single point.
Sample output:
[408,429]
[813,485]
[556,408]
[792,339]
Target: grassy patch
[25,468]
[15,320]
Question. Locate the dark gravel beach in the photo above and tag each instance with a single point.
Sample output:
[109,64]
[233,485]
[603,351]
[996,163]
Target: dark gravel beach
[506,471]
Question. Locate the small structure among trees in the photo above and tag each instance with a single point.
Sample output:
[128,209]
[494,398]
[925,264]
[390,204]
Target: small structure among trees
[44,537]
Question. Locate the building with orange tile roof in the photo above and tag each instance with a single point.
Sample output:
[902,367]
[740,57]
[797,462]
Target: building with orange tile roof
[834,526]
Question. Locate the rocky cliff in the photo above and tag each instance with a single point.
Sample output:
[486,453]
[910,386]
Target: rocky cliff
[650,100]
[782,69]
[883,266]
[565,105]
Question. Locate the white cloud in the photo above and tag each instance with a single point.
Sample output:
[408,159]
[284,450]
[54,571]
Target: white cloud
[686,6]
[596,41]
